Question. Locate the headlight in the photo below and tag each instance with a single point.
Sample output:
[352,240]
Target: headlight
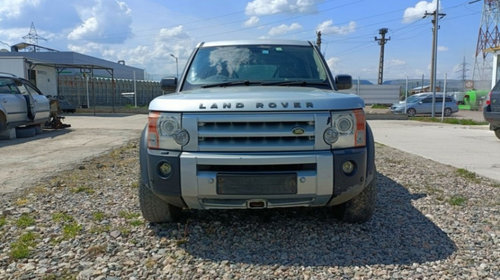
[347,129]
[165,131]
[168,125]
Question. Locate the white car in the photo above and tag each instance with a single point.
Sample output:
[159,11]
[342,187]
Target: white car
[21,103]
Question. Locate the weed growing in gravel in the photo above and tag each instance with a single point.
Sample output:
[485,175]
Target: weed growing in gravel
[129,215]
[25,221]
[22,201]
[124,231]
[21,248]
[98,216]
[60,217]
[471,176]
[71,230]
[136,223]
[134,184]
[3,221]
[100,229]
[448,120]
[84,189]
[457,200]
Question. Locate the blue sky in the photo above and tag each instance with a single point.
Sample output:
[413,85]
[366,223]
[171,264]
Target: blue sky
[145,32]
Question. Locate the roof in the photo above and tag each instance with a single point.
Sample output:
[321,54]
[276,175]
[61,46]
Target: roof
[254,42]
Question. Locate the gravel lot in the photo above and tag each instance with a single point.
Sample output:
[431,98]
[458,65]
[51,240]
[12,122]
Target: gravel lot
[432,222]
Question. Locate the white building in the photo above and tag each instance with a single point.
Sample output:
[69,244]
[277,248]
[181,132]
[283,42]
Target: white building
[43,66]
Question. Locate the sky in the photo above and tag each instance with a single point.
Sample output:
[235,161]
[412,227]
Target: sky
[149,33]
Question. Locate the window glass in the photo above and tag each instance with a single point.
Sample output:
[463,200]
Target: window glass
[255,63]
[32,90]
[7,86]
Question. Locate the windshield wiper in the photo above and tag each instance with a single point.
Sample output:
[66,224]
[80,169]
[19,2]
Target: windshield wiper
[295,83]
[232,83]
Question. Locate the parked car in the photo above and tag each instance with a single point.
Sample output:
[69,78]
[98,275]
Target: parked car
[65,106]
[21,103]
[491,110]
[421,103]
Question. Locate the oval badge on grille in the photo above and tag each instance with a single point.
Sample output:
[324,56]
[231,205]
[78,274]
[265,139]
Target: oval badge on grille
[298,131]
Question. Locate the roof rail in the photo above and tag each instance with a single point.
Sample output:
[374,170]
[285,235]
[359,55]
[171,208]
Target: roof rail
[8,74]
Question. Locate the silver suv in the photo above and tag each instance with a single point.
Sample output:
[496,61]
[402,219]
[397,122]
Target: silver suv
[257,124]
[21,103]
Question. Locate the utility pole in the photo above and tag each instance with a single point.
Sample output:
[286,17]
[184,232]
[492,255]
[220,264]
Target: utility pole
[436,15]
[382,41]
[318,39]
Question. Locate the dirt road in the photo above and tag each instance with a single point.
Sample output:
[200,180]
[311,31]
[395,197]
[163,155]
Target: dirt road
[27,160]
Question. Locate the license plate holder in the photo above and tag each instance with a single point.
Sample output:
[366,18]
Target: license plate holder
[256,184]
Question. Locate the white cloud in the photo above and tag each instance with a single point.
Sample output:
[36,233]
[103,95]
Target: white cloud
[396,62]
[332,63]
[252,21]
[106,22]
[13,8]
[418,11]
[442,49]
[327,28]
[271,7]
[283,29]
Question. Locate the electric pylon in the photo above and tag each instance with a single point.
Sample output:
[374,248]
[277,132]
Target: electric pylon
[488,39]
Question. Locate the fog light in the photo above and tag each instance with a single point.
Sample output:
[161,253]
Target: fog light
[330,136]
[164,169]
[348,167]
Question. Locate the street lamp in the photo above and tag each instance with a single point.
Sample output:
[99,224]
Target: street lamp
[176,65]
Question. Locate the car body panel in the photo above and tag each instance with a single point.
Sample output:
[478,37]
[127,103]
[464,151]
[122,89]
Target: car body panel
[422,104]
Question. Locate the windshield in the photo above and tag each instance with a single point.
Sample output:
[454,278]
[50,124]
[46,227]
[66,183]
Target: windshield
[256,65]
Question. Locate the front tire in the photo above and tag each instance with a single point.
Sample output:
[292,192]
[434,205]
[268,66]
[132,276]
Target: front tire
[359,209]
[411,112]
[154,209]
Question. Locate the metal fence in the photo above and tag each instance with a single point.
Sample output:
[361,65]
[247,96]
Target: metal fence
[101,92]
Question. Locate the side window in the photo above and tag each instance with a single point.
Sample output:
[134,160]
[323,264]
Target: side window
[427,100]
[31,90]
[22,88]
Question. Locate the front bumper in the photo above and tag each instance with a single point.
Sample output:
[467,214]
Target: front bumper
[319,178]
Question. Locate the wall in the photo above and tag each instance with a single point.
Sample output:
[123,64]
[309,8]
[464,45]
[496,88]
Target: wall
[46,79]
[13,65]
[99,91]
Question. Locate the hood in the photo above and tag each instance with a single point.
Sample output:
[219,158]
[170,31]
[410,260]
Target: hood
[256,98]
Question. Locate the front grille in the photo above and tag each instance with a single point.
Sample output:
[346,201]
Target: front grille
[257,132]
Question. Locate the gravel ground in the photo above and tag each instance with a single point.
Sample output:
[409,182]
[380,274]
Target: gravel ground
[432,222]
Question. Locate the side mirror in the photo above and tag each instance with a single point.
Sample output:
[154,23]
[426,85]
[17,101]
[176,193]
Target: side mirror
[343,81]
[168,84]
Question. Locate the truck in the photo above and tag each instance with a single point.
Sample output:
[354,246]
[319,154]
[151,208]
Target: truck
[255,124]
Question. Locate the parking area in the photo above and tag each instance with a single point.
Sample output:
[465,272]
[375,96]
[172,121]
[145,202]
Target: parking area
[474,148]
[27,160]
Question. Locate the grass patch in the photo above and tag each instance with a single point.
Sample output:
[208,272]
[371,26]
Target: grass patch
[98,216]
[448,120]
[471,176]
[71,230]
[25,221]
[136,223]
[3,221]
[380,106]
[22,201]
[83,189]
[21,248]
[457,200]
[61,217]
[100,229]
[129,215]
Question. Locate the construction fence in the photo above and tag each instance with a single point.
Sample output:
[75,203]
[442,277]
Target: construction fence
[88,92]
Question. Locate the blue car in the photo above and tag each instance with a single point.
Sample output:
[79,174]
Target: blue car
[421,103]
